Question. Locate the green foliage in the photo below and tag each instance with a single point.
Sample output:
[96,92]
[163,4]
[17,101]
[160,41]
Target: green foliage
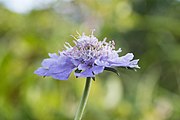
[148,28]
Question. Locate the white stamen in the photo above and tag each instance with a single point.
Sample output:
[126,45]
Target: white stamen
[88,47]
[73,37]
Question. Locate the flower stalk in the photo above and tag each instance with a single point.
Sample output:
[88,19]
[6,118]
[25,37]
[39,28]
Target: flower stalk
[84,99]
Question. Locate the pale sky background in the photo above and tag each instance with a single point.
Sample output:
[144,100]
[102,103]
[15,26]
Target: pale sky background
[25,6]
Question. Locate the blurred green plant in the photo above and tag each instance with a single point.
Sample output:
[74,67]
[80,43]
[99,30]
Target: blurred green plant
[149,28]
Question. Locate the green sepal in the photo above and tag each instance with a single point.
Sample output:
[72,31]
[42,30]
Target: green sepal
[93,78]
[112,70]
[77,71]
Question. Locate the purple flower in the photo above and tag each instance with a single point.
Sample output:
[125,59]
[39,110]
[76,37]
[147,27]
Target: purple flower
[88,58]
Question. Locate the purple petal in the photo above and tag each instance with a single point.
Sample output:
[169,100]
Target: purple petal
[62,67]
[86,73]
[58,67]
[63,59]
[76,62]
[83,66]
[86,65]
[131,64]
[97,69]
[127,57]
[124,59]
[64,75]
[48,62]
[53,55]
[41,71]
[134,64]
[102,63]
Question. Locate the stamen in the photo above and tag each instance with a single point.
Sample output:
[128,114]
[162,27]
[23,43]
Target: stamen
[73,37]
[78,33]
[88,47]
[104,40]
[92,32]
[68,44]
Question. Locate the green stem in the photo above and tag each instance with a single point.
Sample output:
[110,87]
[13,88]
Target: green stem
[84,99]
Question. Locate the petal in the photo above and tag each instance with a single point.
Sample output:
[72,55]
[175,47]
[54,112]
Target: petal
[83,66]
[134,64]
[41,71]
[53,55]
[127,57]
[48,62]
[135,61]
[62,75]
[63,59]
[102,63]
[61,68]
[57,68]
[64,64]
[123,59]
[131,64]
[86,65]
[76,62]
[86,73]
[97,69]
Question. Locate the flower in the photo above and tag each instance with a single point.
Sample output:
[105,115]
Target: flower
[88,58]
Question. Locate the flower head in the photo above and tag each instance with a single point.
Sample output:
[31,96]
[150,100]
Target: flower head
[88,58]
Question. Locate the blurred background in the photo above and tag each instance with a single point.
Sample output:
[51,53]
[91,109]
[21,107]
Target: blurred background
[30,29]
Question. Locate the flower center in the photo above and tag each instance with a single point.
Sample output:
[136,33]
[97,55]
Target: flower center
[88,47]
